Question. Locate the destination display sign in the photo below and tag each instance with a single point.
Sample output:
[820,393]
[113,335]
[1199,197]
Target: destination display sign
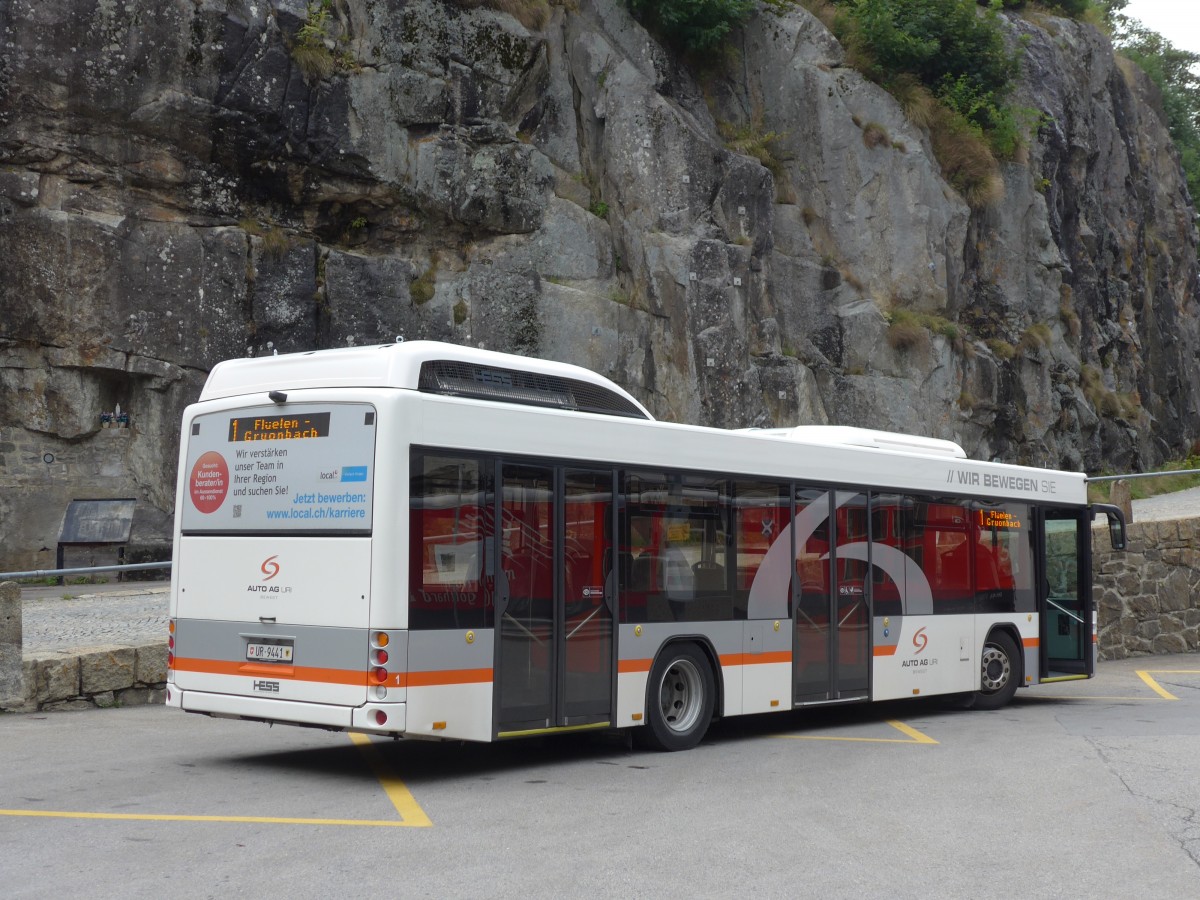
[309,468]
[998,518]
[276,428]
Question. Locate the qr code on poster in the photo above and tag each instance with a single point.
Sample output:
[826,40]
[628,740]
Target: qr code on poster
[237,510]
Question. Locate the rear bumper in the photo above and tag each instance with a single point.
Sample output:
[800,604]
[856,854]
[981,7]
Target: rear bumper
[322,715]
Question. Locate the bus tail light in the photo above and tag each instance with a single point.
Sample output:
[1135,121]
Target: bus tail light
[380,717]
[380,674]
[380,638]
[171,644]
[381,657]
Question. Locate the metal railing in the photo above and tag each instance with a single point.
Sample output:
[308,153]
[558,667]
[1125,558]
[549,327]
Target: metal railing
[1143,475]
[89,570]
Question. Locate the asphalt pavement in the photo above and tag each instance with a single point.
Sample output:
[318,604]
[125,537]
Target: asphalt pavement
[1077,790]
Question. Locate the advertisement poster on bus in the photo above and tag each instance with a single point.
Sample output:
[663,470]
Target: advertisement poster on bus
[299,468]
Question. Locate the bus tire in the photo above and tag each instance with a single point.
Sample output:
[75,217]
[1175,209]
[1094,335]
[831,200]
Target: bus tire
[999,672]
[680,697]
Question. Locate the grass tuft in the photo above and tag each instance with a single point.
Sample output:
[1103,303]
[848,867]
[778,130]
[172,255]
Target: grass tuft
[751,140]
[1036,337]
[533,14]
[422,289]
[1001,349]
[875,135]
[966,160]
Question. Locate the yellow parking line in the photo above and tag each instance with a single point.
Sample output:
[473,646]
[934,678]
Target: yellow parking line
[411,814]
[1144,674]
[1040,696]
[917,737]
[914,736]
[410,811]
[148,817]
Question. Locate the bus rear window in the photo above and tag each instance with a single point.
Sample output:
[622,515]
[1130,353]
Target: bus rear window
[300,468]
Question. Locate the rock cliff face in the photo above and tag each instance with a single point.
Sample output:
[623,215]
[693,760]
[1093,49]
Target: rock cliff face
[182,181]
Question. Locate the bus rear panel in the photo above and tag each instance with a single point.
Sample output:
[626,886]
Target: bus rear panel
[273,569]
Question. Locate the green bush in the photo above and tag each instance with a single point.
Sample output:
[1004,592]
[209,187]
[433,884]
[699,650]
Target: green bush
[692,24]
[955,51]
[1074,8]
[1176,73]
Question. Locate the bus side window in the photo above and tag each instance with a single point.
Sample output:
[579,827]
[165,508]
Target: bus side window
[1003,558]
[891,514]
[947,558]
[450,526]
[676,548]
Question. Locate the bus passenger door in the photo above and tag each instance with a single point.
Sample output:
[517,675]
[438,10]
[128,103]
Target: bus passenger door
[553,663]
[1064,599]
[524,655]
[830,599]
[589,597]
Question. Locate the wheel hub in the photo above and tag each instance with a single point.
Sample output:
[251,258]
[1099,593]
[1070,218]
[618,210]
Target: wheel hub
[996,669]
[681,695]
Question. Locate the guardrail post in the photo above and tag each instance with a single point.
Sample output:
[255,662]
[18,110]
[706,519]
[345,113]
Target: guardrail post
[12,679]
[1120,495]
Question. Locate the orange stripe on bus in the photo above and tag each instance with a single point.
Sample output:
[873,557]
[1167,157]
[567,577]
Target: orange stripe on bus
[449,676]
[626,666]
[778,656]
[756,659]
[332,676]
[885,651]
[1031,642]
[297,673]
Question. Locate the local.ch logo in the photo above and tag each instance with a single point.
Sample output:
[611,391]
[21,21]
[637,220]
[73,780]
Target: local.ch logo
[270,568]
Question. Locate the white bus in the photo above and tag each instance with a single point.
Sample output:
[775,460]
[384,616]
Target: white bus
[430,541]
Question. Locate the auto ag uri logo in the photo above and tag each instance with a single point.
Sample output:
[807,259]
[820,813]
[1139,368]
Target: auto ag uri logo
[920,640]
[270,568]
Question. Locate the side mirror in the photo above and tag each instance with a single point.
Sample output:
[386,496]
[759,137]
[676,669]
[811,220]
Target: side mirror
[1116,523]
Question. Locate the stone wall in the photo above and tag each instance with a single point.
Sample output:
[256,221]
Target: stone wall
[96,676]
[12,685]
[1147,595]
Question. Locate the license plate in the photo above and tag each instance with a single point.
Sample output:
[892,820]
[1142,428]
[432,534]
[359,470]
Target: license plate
[269,652]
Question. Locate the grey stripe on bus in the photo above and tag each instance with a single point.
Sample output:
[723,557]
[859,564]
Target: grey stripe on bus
[337,648]
[440,651]
[725,637]
[319,646]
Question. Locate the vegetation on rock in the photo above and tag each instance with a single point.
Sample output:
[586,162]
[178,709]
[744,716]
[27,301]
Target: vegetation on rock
[530,13]
[950,67]
[692,24]
[1176,73]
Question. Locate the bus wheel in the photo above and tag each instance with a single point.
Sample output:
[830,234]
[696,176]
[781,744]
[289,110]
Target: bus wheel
[1000,672]
[679,699]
